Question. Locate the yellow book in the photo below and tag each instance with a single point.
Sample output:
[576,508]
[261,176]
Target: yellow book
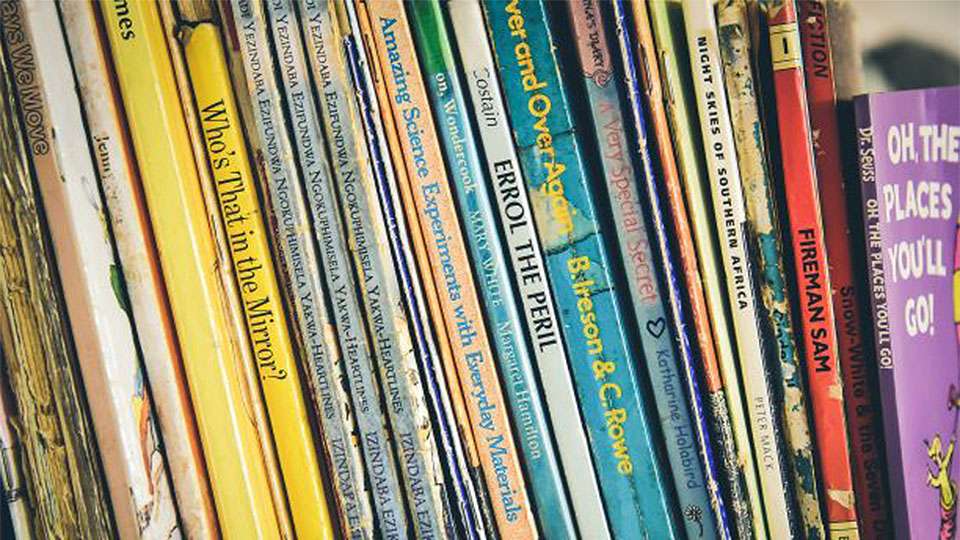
[254,270]
[236,463]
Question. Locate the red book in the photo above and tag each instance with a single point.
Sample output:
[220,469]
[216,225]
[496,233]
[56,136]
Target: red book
[861,404]
[820,348]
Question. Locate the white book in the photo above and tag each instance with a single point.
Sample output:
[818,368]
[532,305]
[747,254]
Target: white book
[536,297]
[730,215]
[141,271]
[120,404]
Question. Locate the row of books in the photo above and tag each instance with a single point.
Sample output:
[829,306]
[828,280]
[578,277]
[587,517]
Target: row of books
[461,269]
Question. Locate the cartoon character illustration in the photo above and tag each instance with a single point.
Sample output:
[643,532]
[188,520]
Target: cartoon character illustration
[939,478]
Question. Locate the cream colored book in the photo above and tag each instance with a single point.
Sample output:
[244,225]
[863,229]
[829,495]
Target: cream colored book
[146,295]
[140,490]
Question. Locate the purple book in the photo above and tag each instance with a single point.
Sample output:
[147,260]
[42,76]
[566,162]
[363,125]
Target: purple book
[909,154]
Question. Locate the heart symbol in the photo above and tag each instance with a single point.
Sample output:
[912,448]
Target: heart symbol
[656,327]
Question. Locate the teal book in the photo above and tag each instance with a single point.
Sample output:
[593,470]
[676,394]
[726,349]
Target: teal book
[613,403]
[661,333]
[461,153]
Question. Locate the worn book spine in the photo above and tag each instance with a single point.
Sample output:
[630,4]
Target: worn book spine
[518,226]
[300,272]
[460,461]
[514,355]
[763,228]
[440,224]
[657,305]
[818,322]
[721,377]
[273,347]
[730,219]
[61,465]
[387,319]
[851,332]
[375,439]
[714,413]
[12,488]
[614,406]
[140,491]
[146,294]
[210,343]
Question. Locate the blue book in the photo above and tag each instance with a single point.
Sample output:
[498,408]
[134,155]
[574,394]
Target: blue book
[613,403]
[540,462]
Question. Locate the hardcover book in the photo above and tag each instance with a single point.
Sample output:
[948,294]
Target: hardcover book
[730,218]
[461,459]
[440,224]
[659,309]
[817,320]
[518,227]
[386,315]
[141,494]
[763,231]
[375,439]
[513,354]
[909,151]
[614,407]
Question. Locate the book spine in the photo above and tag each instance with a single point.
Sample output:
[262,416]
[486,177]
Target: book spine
[253,267]
[535,437]
[764,237]
[387,318]
[517,225]
[612,402]
[727,415]
[717,132]
[300,271]
[863,425]
[375,440]
[658,308]
[877,287]
[210,344]
[810,259]
[463,317]
[61,463]
[12,488]
[130,225]
[461,458]
[123,418]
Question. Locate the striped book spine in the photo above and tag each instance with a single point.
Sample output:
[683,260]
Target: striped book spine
[657,305]
[440,224]
[387,319]
[461,459]
[375,440]
[613,404]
